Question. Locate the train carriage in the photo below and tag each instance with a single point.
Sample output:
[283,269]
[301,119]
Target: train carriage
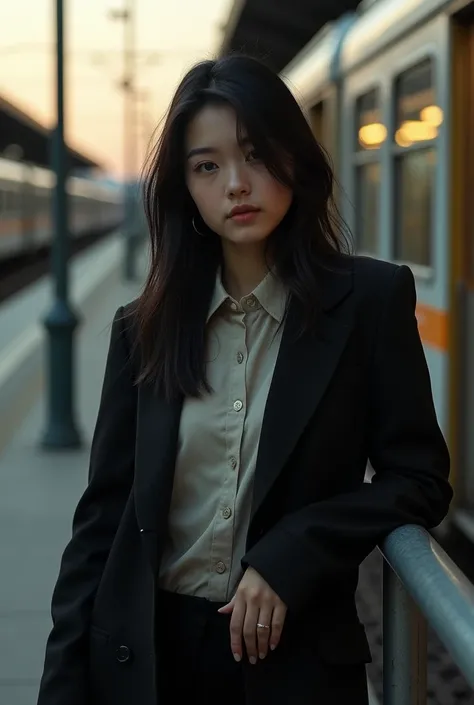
[26,193]
[390,92]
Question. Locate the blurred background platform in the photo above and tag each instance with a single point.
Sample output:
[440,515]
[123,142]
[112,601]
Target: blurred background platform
[40,489]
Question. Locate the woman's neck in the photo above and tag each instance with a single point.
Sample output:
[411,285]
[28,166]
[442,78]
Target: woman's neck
[244,268]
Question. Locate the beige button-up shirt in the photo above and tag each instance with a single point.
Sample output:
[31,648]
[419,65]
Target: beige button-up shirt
[218,443]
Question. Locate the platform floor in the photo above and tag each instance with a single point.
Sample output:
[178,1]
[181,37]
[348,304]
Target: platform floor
[39,491]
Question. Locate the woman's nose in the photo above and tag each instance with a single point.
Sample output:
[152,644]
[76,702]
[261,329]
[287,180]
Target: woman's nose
[238,183]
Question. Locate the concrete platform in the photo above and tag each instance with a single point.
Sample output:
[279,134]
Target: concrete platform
[22,336]
[39,490]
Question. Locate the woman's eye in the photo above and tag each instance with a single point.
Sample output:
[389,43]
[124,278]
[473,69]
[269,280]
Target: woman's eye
[206,167]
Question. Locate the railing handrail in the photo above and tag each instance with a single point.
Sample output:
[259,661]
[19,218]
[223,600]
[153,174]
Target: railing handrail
[440,589]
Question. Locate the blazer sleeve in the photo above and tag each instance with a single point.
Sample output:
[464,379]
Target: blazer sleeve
[321,543]
[96,520]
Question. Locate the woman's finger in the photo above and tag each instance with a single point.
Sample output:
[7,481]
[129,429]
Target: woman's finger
[227,609]
[264,627]
[236,627]
[250,631]
[278,621]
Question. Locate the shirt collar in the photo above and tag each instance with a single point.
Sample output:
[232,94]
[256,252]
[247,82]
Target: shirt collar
[270,295]
[219,296]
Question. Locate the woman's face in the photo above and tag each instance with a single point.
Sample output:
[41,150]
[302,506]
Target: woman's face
[234,193]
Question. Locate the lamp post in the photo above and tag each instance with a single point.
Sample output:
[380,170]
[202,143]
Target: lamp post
[128,16]
[61,430]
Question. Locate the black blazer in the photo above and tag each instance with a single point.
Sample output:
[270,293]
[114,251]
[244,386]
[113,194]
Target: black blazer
[354,389]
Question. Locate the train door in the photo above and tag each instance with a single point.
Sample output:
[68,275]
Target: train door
[463,269]
[323,119]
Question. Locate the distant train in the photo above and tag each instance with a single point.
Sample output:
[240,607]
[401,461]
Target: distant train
[389,92]
[26,212]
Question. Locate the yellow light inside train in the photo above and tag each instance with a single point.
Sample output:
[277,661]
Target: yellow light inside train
[373,135]
[401,140]
[433,115]
[415,131]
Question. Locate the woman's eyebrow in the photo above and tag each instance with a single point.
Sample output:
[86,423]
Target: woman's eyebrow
[201,150]
[196,151]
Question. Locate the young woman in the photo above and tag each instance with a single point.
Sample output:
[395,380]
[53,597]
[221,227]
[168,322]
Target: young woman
[215,551]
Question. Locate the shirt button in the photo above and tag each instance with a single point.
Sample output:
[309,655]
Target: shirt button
[220,567]
[233,306]
[250,301]
[227,513]
[238,405]
[240,358]
[233,463]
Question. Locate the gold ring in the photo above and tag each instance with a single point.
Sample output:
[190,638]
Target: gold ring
[263,626]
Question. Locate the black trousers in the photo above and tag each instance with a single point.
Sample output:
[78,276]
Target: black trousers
[195,662]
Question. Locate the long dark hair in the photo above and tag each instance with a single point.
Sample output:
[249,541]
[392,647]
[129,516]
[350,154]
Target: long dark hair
[171,312]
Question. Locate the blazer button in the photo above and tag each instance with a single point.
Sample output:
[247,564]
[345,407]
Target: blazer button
[122,654]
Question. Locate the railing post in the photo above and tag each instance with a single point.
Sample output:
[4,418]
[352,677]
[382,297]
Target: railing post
[404,645]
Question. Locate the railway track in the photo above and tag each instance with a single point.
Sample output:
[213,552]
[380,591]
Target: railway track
[18,272]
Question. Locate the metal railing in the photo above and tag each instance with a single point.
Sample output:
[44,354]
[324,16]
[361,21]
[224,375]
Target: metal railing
[421,585]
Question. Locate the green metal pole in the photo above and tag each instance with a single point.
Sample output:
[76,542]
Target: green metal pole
[129,138]
[61,430]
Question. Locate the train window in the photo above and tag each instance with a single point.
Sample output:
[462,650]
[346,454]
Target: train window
[370,134]
[417,121]
[367,200]
[417,117]
[414,197]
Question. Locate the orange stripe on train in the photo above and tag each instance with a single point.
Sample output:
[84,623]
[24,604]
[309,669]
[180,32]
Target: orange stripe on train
[433,326]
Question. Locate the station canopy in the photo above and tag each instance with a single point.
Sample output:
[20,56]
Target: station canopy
[23,138]
[276,30]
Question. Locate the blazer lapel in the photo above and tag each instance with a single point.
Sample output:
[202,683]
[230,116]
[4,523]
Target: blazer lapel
[304,368]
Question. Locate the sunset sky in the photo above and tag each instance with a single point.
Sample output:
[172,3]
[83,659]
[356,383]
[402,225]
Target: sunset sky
[171,35]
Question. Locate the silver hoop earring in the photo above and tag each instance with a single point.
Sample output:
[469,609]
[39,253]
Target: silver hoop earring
[194,226]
